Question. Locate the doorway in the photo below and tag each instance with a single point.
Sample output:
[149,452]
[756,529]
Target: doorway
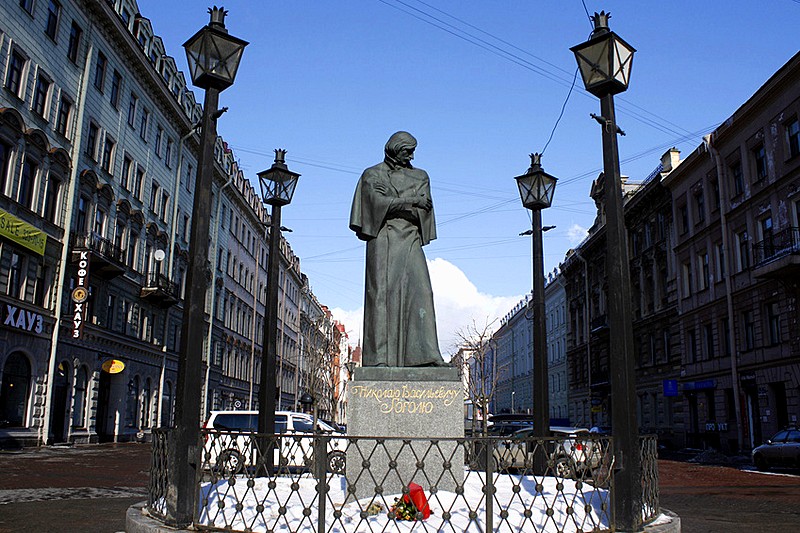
[58,419]
[105,430]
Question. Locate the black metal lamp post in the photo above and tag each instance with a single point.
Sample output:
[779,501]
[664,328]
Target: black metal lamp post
[605,64]
[213,58]
[277,187]
[536,188]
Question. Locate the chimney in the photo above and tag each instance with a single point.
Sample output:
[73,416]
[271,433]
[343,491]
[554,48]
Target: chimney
[670,160]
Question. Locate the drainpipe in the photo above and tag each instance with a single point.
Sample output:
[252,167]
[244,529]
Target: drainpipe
[215,247]
[44,430]
[722,180]
[588,329]
[171,261]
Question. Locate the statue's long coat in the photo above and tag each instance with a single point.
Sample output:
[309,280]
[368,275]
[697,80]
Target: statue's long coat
[399,319]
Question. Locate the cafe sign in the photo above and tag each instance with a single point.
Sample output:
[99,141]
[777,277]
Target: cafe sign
[80,295]
[113,366]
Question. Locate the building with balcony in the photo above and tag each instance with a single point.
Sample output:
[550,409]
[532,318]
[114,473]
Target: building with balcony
[98,157]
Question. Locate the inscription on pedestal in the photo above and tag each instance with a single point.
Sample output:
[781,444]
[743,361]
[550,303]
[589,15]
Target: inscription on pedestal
[408,413]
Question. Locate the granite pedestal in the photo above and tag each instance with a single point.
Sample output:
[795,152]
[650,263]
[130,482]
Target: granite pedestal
[413,407]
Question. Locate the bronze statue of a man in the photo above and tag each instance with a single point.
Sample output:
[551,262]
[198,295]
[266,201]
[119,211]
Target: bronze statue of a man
[393,212]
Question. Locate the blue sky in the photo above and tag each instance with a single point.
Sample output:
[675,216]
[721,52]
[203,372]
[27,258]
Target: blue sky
[480,84]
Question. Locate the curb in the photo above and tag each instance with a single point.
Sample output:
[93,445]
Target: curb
[138,521]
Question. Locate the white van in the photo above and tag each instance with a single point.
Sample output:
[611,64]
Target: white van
[232,453]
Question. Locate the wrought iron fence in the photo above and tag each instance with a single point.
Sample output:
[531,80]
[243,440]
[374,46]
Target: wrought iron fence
[777,245]
[336,483]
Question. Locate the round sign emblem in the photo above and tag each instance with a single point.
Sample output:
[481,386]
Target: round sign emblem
[80,294]
[113,366]
[237,404]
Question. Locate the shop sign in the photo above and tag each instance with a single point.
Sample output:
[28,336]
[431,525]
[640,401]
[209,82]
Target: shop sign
[16,317]
[113,366]
[670,387]
[700,385]
[22,233]
[80,295]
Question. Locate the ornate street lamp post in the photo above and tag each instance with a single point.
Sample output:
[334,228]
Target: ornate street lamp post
[605,64]
[277,187]
[536,188]
[213,58]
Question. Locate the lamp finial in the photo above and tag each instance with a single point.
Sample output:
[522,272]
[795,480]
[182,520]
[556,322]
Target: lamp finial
[600,21]
[217,17]
[536,162]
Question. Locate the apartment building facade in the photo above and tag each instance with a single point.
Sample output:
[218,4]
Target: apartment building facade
[98,152]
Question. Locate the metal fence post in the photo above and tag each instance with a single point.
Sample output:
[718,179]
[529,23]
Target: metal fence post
[320,473]
[489,488]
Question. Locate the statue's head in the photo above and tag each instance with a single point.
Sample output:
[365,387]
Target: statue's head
[400,148]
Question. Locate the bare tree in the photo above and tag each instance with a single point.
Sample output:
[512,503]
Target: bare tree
[476,361]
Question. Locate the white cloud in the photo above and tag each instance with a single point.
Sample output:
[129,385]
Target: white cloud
[457,302]
[576,233]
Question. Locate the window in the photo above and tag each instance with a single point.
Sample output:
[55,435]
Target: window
[189,178]
[684,218]
[108,155]
[133,250]
[793,137]
[159,137]
[687,279]
[700,206]
[726,335]
[154,197]
[62,119]
[692,337]
[749,330]
[100,71]
[91,141]
[164,205]
[40,290]
[132,110]
[137,183]
[143,124]
[14,285]
[719,253]
[79,411]
[100,218]
[186,228]
[715,192]
[27,5]
[16,64]
[737,177]
[83,210]
[168,153]
[75,33]
[40,92]
[51,198]
[743,258]
[767,243]
[15,389]
[708,340]
[705,271]
[127,165]
[26,182]
[5,162]
[51,27]
[774,323]
[116,81]
[759,162]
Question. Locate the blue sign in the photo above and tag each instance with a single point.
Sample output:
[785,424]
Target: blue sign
[700,385]
[670,387]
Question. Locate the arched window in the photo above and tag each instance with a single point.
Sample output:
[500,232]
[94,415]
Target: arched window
[133,402]
[79,405]
[15,391]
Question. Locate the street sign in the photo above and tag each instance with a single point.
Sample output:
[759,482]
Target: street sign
[670,387]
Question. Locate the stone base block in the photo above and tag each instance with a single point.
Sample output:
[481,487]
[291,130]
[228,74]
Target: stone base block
[397,407]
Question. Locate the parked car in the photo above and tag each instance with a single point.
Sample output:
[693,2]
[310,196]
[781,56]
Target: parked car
[575,454]
[233,448]
[783,449]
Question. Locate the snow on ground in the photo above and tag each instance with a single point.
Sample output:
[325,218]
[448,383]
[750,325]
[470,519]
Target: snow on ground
[290,504]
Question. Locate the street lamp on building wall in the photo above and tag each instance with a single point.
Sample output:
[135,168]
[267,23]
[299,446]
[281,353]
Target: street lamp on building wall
[605,64]
[277,188]
[213,58]
[536,188]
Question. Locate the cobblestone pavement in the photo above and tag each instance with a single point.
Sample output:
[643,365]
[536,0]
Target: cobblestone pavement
[724,499]
[87,489]
[81,489]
